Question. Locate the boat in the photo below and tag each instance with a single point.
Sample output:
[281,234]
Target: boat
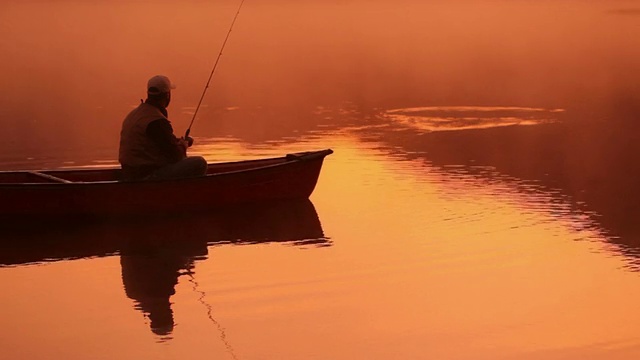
[95,193]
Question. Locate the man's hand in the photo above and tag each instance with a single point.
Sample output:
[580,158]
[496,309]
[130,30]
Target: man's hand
[186,142]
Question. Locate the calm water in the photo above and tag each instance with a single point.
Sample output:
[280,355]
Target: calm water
[481,202]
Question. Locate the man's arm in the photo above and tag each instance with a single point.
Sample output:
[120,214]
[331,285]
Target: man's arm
[161,133]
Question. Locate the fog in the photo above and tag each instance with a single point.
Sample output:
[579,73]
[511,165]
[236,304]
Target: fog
[72,70]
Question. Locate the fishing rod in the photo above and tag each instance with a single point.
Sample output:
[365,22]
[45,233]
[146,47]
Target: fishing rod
[215,65]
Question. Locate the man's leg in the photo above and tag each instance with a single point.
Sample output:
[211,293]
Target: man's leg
[189,167]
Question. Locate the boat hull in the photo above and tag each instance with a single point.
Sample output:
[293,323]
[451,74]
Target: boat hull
[291,177]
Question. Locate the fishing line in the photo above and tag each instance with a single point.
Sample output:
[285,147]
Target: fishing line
[201,299]
[215,65]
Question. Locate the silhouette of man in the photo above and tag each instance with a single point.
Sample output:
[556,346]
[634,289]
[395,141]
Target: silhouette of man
[148,147]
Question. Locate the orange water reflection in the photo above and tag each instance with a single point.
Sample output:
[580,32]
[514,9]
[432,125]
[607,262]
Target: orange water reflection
[490,266]
[155,252]
[427,262]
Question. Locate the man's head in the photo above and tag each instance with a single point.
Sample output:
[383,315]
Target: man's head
[159,89]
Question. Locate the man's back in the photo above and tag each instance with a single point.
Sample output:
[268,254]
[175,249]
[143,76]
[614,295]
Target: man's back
[137,149]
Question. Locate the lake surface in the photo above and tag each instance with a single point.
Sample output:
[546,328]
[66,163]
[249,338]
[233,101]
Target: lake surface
[481,201]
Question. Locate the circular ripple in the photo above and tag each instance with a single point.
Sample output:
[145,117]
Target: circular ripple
[447,118]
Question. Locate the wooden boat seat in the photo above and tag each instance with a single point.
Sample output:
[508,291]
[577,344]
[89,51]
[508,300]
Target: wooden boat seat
[49,177]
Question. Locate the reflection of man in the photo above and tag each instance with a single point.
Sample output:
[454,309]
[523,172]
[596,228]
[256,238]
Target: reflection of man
[148,147]
[150,280]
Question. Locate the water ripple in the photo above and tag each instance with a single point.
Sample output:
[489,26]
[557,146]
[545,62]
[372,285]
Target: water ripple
[447,118]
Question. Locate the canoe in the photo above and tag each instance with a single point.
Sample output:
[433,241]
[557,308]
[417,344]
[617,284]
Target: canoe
[99,192]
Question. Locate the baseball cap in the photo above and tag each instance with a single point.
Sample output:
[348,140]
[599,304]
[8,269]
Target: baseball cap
[159,84]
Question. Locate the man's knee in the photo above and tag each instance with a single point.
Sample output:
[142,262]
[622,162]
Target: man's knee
[198,164]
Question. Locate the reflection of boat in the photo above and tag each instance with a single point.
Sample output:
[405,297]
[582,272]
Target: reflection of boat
[98,192]
[292,221]
[155,252]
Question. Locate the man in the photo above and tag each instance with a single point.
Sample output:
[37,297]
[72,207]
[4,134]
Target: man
[148,147]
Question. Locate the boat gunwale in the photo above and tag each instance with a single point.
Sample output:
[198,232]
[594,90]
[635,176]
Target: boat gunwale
[287,160]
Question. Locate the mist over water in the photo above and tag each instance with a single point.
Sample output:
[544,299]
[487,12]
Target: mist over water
[72,71]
